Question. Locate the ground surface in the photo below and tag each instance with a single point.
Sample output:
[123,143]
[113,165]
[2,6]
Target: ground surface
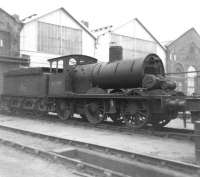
[166,148]
[17,164]
[178,123]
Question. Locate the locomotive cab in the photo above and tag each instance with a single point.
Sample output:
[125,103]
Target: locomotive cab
[71,61]
[62,83]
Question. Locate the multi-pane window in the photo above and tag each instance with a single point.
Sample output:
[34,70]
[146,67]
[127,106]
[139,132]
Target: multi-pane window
[57,39]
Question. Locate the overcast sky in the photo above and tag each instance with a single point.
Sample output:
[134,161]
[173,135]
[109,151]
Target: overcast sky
[166,19]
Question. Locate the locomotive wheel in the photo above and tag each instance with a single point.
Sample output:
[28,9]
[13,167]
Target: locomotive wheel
[83,117]
[41,108]
[136,120]
[195,115]
[159,120]
[64,111]
[94,113]
[160,123]
[116,118]
[64,115]
[14,111]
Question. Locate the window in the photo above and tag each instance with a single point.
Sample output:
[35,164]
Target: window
[174,57]
[191,80]
[60,64]
[59,39]
[1,42]
[170,56]
[72,62]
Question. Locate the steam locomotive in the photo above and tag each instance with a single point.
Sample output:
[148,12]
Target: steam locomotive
[133,92]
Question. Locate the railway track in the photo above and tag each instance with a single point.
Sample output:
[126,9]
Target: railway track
[129,163]
[183,134]
[166,132]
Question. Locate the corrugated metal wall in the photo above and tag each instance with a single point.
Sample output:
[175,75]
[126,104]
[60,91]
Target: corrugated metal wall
[133,47]
[59,39]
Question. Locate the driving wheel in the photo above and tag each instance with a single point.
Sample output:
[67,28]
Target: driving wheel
[94,113]
[136,120]
[64,111]
[159,121]
[116,118]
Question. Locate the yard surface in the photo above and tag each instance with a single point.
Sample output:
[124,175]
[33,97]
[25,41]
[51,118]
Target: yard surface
[179,150]
[14,163]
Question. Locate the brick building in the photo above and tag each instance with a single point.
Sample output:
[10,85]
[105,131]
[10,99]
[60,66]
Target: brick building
[183,61]
[10,28]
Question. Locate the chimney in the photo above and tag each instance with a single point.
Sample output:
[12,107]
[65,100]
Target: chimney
[16,18]
[86,23]
[115,52]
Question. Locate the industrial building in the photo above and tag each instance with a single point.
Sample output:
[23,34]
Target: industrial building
[136,43]
[9,34]
[183,62]
[54,34]
[10,28]
[181,57]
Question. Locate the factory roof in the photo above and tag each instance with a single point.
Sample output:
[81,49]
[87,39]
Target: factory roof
[37,17]
[188,31]
[11,16]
